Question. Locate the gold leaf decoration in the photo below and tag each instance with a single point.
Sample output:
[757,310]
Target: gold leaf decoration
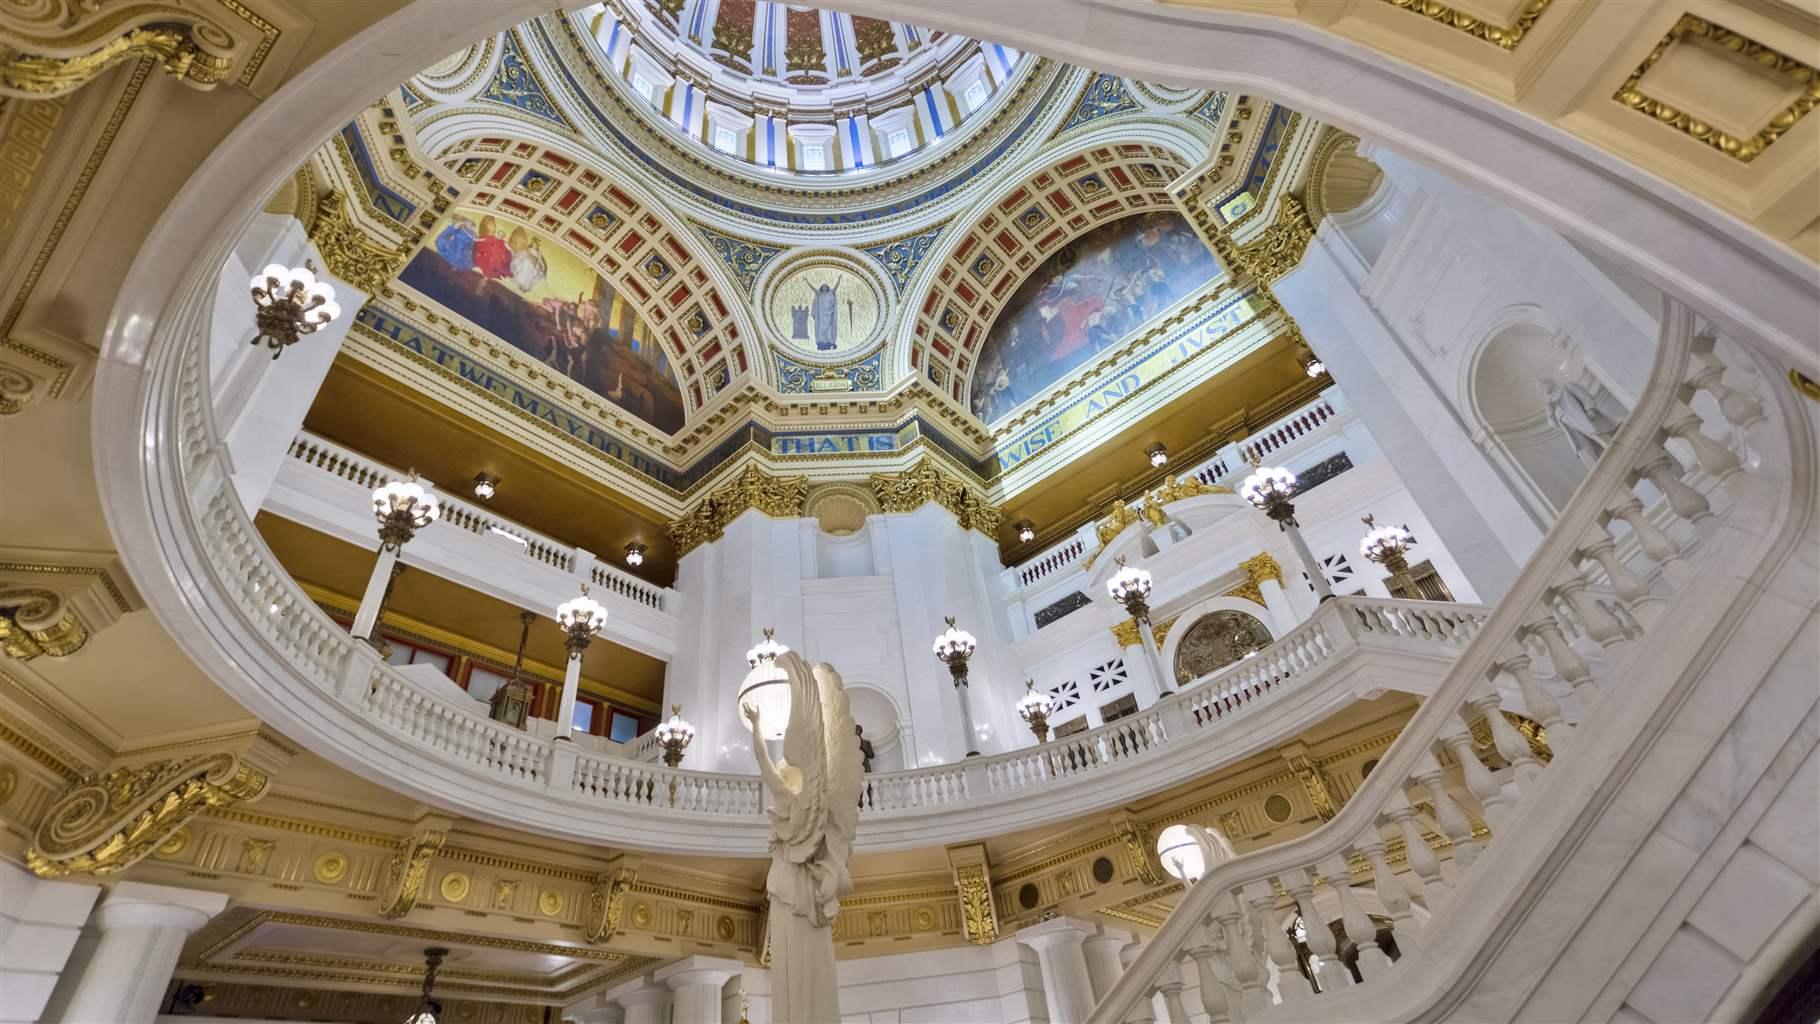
[108,822]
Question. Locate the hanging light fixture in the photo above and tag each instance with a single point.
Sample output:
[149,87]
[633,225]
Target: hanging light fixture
[1314,367]
[674,736]
[1026,531]
[766,687]
[288,303]
[1270,488]
[1034,708]
[1158,455]
[635,554]
[428,1009]
[582,617]
[1130,586]
[1388,546]
[953,648]
[403,507]
[485,486]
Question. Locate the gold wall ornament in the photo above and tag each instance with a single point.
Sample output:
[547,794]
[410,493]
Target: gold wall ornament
[1314,782]
[105,823]
[1803,78]
[330,867]
[454,887]
[1119,516]
[1505,37]
[1139,848]
[54,47]
[406,871]
[780,497]
[1175,489]
[928,482]
[1279,249]
[978,917]
[348,252]
[607,904]
[1127,634]
[254,853]
[697,527]
[503,891]
[549,903]
[35,621]
[1261,567]
[9,783]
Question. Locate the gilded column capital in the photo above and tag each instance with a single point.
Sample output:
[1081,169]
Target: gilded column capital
[107,822]
[348,252]
[780,497]
[1140,848]
[405,873]
[1126,634]
[35,622]
[928,482]
[698,526]
[1279,249]
[54,47]
[1261,567]
[607,904]
[1308,771]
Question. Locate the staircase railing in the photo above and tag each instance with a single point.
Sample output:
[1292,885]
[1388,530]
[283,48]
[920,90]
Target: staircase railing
[1230,926]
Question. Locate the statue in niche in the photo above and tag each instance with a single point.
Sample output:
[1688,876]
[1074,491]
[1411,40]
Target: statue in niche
[814,813]
[1577,413]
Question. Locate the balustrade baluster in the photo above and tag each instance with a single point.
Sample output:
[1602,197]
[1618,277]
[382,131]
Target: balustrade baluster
[1600,625]
[1448,816]
[1254,996]
[1329,972]
[1479,780]
[1663,471]
[1739,407]
[1390,890]
[1511,746]
[1624,583]
[1291,985]
[1373,961]
[1715,459]
[1542,705]
[1213,991]
[1172,998]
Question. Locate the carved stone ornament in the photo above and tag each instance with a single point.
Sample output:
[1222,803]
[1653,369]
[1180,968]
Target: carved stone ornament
[54,47]
[1216,640]
[1139,849]
[607,904]
[780,497]
[928,482]
[978,916]
[406,871]
[348,252]
[108,822]
[1279,249]
[35,622]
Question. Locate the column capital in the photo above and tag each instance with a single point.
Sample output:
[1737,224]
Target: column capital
[1054,932]
[698,970]
[641,996]
[141,905]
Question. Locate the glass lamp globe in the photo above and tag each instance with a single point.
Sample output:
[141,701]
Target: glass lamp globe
[1128,581]
[1035,705]
[676,730]
[407,497]
[1181,853]
[767,688]
[1382,541]
[1266,484]
[581,613]
[955,643]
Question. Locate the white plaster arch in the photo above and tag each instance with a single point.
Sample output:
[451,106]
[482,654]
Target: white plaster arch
[868,700]
[1200,610]
[144,442]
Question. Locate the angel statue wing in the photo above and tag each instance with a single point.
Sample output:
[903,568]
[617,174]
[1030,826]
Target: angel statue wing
[820,744]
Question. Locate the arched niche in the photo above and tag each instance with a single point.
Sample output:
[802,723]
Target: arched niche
[1506,393]
[877,714]
[1195,643]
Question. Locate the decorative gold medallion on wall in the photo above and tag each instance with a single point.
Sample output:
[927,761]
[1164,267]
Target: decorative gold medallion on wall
[173,844]
[641,916]
[549,902]
[723,928]
[9,783]
[454,887]
[331,867]
[923,919]
[1277,808]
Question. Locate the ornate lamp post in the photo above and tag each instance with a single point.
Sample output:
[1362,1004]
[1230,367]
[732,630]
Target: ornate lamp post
[402,507]
[953,647]
[288,303]
[581,617]
[1034,708]
[766,687]
[674,736]
[1388,546]
[1130,586]
[1269,489]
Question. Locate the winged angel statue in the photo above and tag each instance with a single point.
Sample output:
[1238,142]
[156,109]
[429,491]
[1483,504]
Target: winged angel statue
[815,798]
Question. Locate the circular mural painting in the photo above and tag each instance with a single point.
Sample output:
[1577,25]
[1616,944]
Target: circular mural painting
[824,307]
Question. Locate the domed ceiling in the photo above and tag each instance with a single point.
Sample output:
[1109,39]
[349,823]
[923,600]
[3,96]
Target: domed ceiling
[654,239]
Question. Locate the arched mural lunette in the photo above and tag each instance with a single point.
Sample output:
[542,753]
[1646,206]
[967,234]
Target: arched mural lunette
[1186,622]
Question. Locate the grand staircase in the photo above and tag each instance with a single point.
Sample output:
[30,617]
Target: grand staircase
[1658,860]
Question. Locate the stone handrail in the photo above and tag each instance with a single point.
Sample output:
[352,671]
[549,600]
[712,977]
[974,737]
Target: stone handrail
[1235,911]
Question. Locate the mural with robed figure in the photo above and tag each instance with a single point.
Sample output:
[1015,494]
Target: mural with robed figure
[547,302]
[1085,298]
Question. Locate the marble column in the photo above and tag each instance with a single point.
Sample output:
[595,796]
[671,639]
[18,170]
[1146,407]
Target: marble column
[605,1013]
[1103,965]
[1059,949]
[39,924]
[697,983]
[138,931]
[647,1005]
